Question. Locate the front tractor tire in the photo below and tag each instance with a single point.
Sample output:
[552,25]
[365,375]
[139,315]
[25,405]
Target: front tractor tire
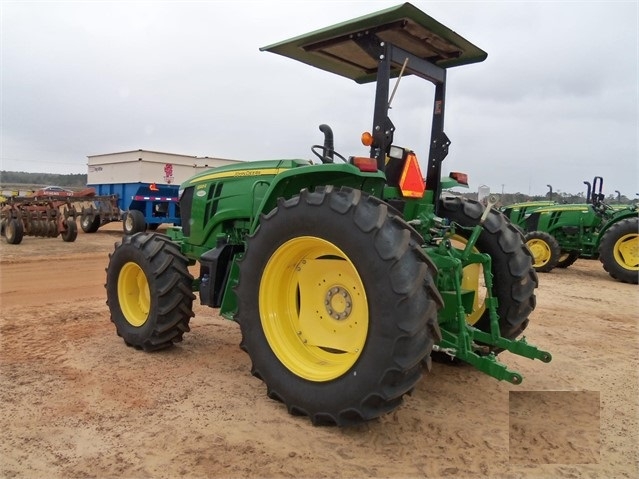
[514,278]
[149,291]
[545,250]
[619,250]
[337,305]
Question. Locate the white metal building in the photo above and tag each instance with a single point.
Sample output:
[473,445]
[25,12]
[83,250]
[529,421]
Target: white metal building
[144,166]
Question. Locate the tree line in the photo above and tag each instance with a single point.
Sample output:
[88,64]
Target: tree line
[557,197]
[42,179]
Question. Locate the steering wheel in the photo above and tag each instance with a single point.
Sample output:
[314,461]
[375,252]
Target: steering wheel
[324,158]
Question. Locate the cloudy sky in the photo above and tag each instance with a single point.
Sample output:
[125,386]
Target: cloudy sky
[556,102]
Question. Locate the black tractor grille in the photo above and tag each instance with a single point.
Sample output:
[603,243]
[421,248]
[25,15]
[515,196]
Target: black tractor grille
[186,202]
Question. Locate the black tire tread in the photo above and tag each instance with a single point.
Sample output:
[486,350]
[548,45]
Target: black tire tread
[553,246]
[514,278]
[138,222]
[70,233]
[14,231]
[606,250]
[170,282]
[414,322]
[569,260]
[89,221]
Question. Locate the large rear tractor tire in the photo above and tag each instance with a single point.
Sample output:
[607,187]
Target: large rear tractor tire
[149,291]
[134,222]
[337,305]
[619,250]
[567,258]
[545,250]
[13,231]
[514,278]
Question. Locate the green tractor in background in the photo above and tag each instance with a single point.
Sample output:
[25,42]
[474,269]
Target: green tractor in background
[518,212]
[559,234]
[344,275]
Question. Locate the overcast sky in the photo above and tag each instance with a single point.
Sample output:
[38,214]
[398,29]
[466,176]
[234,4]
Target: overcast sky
[556,102]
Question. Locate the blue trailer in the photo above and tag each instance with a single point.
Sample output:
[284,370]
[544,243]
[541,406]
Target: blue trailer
[146,184]
[142,206]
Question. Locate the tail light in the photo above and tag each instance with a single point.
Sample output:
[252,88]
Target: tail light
[461,178]
[365,164]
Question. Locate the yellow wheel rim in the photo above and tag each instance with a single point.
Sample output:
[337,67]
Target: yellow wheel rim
[134,294]
[313,308]
[626,251]
[472,280]
[540,251]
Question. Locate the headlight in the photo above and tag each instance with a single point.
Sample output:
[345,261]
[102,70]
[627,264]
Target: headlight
[396,152]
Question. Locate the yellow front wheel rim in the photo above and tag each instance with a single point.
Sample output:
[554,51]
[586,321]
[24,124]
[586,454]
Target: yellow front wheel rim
[313,308]
[626,251]
[541,252]
[134,294]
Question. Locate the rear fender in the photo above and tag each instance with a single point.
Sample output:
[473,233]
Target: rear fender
[289,183]
[621,215]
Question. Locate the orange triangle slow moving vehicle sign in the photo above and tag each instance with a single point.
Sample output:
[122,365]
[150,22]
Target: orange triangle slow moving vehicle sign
[411,182]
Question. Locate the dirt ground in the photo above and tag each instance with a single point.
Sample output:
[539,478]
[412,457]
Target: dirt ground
[76,402]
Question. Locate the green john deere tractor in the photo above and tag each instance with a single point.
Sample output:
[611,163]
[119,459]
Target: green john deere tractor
[518,212]
[345,274]
[559,234]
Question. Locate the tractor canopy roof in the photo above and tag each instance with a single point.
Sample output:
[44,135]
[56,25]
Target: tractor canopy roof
[334,50]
